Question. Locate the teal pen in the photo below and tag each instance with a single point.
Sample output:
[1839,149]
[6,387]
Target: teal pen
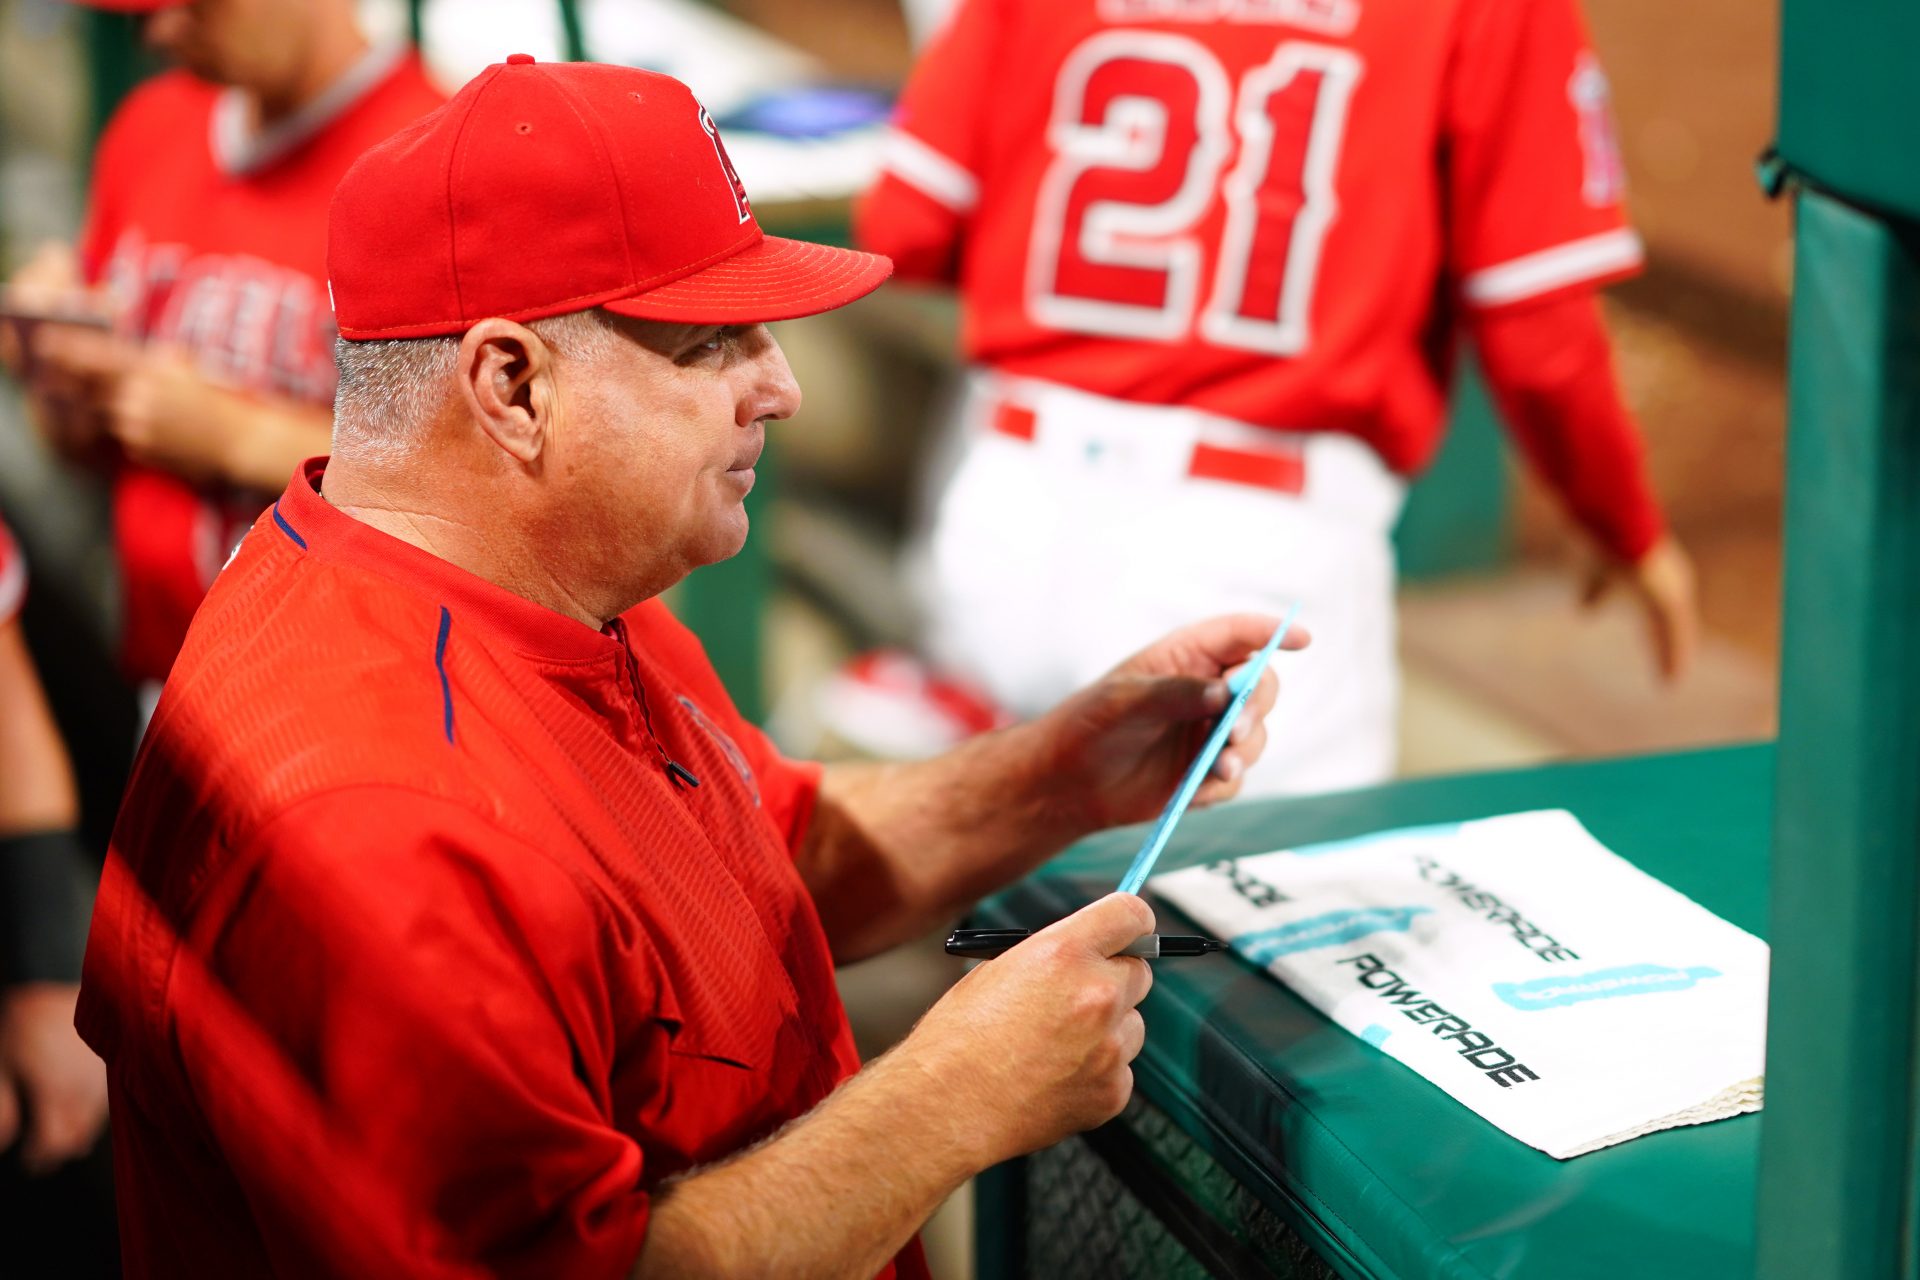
[1243,686]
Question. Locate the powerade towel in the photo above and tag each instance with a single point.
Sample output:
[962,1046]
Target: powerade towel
[1517,964]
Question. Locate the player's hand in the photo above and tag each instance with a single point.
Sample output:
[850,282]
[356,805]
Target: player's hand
[166,414]
[1662,581]
[1119,747]
[1034,1045]
[53,1090]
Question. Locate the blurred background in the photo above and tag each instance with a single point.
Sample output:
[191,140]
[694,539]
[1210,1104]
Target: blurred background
[1501,668]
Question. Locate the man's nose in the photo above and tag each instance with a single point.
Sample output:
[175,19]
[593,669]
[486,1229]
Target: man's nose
[775,393]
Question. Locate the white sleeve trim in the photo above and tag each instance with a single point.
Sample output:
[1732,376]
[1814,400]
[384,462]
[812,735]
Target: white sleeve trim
[13,580]
[1554,268]
[929,172]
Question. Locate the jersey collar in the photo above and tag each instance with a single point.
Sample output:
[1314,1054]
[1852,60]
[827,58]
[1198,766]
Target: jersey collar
[322,531]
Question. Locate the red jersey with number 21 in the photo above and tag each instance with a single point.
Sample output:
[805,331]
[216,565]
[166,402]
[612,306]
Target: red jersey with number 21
[1270,210]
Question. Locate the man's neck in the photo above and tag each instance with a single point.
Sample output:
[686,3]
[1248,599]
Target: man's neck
[443,529]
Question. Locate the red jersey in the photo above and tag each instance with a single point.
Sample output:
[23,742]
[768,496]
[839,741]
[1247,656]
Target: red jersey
[1271,210]
[413,955]
[215,242]
[13,577]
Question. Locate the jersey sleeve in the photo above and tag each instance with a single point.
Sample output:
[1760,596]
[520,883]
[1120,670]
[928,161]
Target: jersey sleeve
[399,1016]
[1536,188]
[13,577]
[1551,372]
[933,157]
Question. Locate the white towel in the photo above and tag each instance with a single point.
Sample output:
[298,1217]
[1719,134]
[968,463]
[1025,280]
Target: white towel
[1538,978]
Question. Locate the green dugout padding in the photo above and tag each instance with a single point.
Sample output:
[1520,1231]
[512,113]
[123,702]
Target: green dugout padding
[1839,1194]
[1381,1173]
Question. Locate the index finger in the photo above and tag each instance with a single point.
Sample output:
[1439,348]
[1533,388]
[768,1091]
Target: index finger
[1105,928]
[1231,638]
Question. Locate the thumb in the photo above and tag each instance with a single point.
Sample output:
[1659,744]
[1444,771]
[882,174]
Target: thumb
[1106,927]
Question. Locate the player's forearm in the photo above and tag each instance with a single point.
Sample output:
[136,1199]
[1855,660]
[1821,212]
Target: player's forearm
[1550,369]
[36,782]
[267,439]
[836,1194]
[894,849]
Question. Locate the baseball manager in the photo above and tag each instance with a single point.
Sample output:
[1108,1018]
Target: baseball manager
[456,923]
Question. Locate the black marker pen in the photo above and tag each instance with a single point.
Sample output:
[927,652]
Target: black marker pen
[984,944]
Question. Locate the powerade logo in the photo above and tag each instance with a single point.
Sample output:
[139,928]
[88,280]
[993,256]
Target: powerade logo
[1604,984]
[1329,930]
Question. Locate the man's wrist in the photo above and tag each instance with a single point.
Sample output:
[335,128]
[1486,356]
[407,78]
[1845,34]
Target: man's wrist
[927,1094]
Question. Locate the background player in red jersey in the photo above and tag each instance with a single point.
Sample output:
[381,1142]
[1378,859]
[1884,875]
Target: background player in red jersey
[204,243]
[1216,257]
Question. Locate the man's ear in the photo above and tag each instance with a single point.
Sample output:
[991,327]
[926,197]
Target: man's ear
[506,382]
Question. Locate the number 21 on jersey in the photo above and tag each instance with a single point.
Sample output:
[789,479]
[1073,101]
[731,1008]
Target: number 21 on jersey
[1143,125]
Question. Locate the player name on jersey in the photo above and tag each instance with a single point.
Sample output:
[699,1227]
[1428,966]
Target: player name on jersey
[248,322]
[1335,17]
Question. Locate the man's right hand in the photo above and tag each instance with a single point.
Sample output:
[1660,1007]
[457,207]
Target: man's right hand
[1027,1049]
[1034,1045]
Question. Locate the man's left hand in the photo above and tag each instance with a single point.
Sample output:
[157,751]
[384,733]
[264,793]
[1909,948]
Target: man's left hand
[1120,746]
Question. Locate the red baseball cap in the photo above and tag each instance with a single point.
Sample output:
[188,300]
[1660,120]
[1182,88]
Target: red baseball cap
[542,189]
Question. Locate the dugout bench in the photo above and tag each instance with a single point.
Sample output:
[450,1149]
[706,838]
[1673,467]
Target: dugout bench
[1264,1141]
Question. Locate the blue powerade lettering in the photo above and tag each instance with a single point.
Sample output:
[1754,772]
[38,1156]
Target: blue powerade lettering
[1604,984]
[1476,1047]
[1329,930]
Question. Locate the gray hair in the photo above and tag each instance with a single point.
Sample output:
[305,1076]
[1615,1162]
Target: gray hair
[391,390]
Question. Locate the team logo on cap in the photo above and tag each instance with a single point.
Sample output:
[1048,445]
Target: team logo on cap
[738,187]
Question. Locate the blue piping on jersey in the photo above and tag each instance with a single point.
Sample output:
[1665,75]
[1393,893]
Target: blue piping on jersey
[440,665]
[288,529]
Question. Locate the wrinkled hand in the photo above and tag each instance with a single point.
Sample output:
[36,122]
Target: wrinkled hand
[49,1079]
[1662,581]
[1121,745]
[1035,1045]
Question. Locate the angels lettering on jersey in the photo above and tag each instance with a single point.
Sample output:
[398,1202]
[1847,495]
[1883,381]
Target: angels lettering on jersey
[249,323]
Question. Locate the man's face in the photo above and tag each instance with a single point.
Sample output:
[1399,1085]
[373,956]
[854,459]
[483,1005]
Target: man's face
[658,440]
[254,44]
